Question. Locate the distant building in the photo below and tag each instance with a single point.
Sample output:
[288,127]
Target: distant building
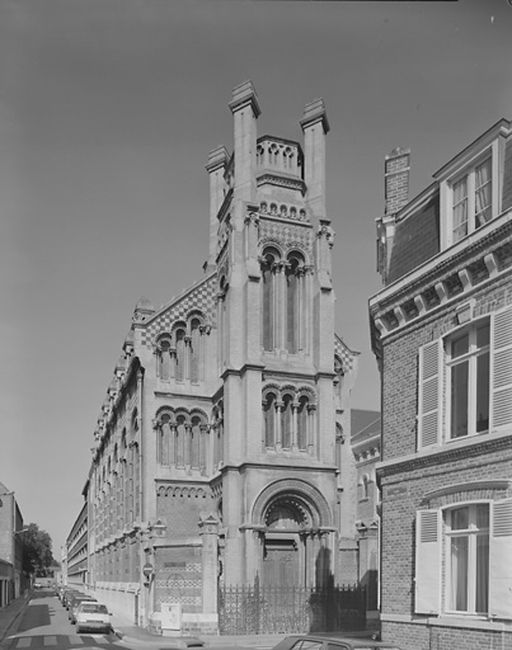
[11,549]
[442,333]
[219,452]
[366,430]
[76,558]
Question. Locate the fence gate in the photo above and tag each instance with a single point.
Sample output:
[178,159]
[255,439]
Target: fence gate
[256,609]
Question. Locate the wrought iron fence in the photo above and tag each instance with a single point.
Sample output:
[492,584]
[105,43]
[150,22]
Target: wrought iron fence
[257,609]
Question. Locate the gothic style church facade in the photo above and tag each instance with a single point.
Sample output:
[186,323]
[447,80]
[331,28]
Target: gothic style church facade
[220,450]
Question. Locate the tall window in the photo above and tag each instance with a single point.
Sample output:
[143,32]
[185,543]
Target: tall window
[468,558]
[286,422]
[469,380]
[269,412]
[292,306]
[194,446]
[302,423]
[269,282]
[164,358]
[164,446]
[472,200]
[195,352]
[179,441]
[180,354]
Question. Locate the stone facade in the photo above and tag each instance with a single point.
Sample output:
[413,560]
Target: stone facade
[12,580]
[442,333]
[219,453]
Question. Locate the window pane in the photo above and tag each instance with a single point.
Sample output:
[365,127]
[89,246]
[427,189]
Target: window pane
[459,573]
[482,573]
[460,346]
[482,516]
[482,335]
[482,392]
[460,518]
[459,389]
[483,187]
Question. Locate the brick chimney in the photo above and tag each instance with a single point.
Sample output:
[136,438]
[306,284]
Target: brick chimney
[396,179]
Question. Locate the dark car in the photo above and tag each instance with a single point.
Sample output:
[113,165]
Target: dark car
[68,595]
[320,642]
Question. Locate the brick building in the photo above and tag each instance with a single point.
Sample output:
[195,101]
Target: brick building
[219,452]
[442,333]
[11,549]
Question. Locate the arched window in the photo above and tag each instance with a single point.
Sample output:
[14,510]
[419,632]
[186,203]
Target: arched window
[269,413]
[164,358]
[302,423]
[269,287]
[286,422]
[179,441]
[195,350]
[164,439]
[294,278]
[194,443]
[180,354]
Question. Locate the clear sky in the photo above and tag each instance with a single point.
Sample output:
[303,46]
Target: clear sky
[108,109]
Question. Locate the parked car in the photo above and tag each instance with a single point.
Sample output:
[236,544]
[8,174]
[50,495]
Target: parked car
[321,642]
[68,595]
[74,606]
[93,616]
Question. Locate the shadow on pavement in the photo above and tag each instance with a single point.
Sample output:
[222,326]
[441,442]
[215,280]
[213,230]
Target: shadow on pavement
[62,641]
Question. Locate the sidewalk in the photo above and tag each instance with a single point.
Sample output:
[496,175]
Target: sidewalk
[10,615]
[130,633]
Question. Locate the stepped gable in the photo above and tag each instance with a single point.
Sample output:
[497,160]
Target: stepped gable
[200,296]
[346,355]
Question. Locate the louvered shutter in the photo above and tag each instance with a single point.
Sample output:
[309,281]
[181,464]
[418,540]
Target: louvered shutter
[429,400]
[500,560]
[428,562]
[501,382]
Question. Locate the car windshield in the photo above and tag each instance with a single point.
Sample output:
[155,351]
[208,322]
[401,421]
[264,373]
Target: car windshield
[93,608]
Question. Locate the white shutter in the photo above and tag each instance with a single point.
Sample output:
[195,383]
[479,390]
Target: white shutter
[500,560]
[428,562]
[501,380]
[429,398]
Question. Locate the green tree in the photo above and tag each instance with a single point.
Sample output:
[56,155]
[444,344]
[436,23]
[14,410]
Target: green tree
[37,550]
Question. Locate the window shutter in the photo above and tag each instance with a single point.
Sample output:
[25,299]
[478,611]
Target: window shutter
[501,383]
[429,385]
[428,562]
[500,560]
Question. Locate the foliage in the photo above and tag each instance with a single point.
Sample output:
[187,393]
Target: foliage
[37,550]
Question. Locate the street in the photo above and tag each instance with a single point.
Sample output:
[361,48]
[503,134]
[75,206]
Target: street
[45,624]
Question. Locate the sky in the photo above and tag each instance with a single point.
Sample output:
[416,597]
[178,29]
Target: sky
[108,110]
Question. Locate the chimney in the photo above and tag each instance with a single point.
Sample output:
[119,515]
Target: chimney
[216,166]
[396,180]
[245,109]
[315,127]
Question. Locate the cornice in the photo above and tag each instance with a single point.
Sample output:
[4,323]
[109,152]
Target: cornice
[445,454]
[465,251]
[281,181]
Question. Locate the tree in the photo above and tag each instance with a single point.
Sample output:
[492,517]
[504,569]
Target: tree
[37,550]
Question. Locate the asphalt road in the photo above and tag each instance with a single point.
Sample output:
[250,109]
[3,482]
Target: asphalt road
[45,624]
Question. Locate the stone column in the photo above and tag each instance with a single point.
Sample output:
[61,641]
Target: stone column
[208,530]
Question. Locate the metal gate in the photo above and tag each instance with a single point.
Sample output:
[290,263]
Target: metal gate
[256,609]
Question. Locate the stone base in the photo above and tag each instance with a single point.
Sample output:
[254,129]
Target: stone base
[199,624]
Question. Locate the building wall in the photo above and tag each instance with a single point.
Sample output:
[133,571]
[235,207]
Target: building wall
[426,471]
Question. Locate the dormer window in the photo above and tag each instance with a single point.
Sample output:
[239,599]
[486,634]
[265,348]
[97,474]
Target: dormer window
[472,200]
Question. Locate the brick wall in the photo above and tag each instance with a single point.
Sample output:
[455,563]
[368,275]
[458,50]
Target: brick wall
[400,367]
[422,637]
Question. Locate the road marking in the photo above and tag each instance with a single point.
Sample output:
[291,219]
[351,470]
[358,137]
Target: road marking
[24,642]
[49,640]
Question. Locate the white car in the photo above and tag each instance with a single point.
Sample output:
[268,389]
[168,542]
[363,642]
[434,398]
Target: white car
[93,617]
